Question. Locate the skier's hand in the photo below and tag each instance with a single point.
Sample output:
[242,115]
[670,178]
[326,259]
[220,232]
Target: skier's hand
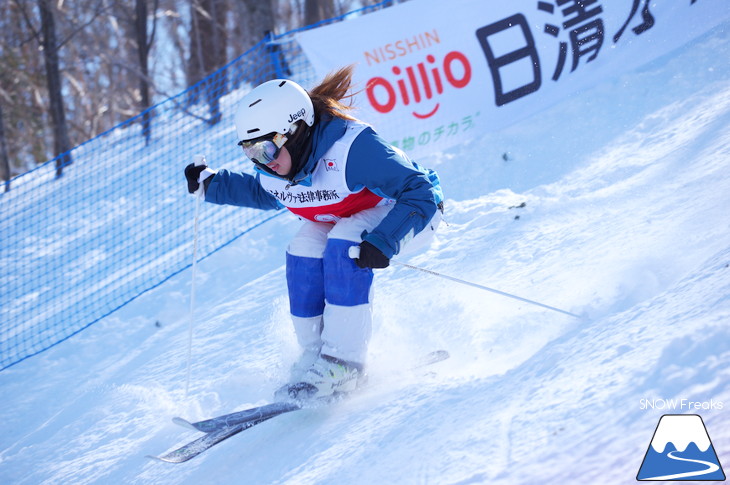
[194,178]
[371,257]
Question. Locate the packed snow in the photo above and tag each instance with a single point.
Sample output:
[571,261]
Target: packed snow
[612,205]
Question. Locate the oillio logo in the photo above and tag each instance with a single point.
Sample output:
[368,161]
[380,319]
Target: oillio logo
[419,84]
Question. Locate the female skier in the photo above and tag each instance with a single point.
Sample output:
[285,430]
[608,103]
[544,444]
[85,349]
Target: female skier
[352,189]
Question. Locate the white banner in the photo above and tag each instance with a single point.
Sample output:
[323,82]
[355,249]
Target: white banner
[434,73]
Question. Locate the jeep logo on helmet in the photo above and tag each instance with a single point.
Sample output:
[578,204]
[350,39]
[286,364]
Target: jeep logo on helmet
[295,116]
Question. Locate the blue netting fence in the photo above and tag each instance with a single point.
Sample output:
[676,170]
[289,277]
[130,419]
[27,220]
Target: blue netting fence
[118,222]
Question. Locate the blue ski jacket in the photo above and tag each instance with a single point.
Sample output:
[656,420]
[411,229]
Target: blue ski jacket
[371,163]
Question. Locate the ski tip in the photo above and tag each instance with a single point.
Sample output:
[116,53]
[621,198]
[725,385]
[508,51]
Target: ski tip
[156,458]
[171,457]
[184,423]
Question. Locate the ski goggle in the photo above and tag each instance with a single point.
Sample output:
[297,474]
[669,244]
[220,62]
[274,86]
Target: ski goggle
[263,150]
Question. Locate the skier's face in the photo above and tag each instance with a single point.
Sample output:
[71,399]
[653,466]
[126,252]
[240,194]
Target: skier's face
[281,164]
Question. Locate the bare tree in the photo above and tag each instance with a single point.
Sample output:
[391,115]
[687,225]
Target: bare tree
[50,43]
[22,92]
[208,40]
[144,44]
[316,10]
[253,22]
[61,141]
[103,90]
[110,65]
[4,159]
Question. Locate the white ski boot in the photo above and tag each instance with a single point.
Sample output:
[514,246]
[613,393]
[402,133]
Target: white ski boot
[327,377]
[302,365]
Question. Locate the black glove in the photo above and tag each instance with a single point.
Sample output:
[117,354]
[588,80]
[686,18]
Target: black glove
[192,173]
[371,257]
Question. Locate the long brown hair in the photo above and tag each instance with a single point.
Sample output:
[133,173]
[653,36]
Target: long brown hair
[328,95]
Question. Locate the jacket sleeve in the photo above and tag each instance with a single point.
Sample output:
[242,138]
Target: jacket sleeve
[241,189]
[388,172]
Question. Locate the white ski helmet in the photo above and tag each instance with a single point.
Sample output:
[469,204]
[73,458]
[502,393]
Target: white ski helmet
[273,107]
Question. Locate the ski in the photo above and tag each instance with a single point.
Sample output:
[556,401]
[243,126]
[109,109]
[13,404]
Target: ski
[274,409]
[223,427]
[196,447]
[239,417]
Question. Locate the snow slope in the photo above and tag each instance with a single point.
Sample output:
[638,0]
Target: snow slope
[626,190]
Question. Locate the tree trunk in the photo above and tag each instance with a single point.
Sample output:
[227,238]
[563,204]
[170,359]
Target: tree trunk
[61,143]
[4,159]
[208,51]
[316,10]
[253,21]
[143,50]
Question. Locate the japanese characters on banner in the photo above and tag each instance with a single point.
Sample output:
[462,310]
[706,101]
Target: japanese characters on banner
[435,73]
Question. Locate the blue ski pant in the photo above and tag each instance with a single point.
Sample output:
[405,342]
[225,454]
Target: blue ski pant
[330,297]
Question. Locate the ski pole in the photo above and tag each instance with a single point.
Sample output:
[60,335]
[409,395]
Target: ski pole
[486,288]
[354,253]
[197,160]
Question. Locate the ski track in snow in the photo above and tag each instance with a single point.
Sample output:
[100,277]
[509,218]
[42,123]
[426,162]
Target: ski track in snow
[626,190]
